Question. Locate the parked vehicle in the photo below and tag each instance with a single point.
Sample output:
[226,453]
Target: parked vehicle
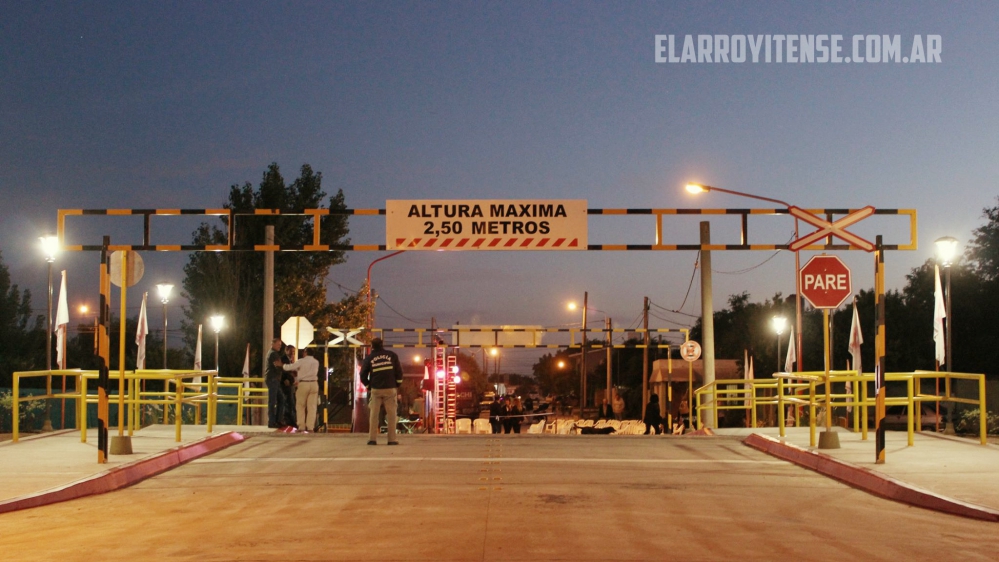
[896,417]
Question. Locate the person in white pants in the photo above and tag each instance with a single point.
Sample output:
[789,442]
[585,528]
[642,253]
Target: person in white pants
[306,389]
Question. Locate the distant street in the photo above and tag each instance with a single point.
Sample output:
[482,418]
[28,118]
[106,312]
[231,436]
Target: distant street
[331,497]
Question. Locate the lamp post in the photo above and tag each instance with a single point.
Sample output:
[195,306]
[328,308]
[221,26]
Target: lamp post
[371,312]
[778,323]
[50,247]
[163,290]
[495,353]
[582,361]
[216,323]
[700,188]
[946,251]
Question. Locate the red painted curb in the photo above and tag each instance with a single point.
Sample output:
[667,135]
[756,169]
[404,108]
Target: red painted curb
[868,480]
[124,476]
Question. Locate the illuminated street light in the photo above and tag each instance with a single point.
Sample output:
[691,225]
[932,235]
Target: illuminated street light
[50,247]
[701,188]
[778,323]
[216,322]
[561,364]
[163,290]
[946,252]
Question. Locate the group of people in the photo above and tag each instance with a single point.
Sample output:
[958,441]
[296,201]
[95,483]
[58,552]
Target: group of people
[292,387]
[506,416]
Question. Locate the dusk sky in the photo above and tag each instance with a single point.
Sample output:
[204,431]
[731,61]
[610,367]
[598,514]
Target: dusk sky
[167,104]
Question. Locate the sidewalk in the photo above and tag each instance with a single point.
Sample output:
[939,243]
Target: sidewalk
[954,469]
[50,467]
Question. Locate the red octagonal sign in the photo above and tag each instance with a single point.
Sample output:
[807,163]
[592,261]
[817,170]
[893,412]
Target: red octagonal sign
[825,282]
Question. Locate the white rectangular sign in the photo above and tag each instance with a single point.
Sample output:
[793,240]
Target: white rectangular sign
[485,225]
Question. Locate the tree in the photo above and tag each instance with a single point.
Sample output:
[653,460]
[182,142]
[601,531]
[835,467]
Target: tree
[552,379]
[231,283]
[23,340]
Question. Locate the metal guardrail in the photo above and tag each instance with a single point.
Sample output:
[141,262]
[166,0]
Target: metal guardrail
[806,389]
[185,391]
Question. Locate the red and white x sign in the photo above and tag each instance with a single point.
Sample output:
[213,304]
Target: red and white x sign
[835,228]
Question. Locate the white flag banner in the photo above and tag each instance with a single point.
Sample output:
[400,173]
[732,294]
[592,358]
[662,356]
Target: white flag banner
[939,313]
[856,339]
[61,324]
[246,368]
[140,335]
[197,356]
[792,354]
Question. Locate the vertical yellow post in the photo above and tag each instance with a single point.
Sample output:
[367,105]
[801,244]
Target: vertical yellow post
[910,417]
[81,406]
[780,406]
[863,411]
[178,413]
[16,414]
[856,407]
[825,361]
[983,429]
[210,414]
[121,344]
[811,413]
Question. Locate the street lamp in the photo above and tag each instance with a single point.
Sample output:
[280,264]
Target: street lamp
[216,323]
[495,353]
[50,247]
[946,252]
[778,323]
[163,290]
[701,188]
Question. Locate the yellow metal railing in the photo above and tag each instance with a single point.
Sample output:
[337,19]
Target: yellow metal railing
[807,390]
[185,391]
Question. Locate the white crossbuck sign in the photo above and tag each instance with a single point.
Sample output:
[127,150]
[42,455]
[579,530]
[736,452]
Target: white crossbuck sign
[835,228]
[340,337]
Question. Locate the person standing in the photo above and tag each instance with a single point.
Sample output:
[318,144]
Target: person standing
[288,387]
[382,375]
[605,412]
[272,378]
[495,415]
[617,405]
[306,389]
[653,419]
[514,416]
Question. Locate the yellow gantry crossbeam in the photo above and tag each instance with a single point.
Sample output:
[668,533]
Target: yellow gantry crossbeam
[317,214]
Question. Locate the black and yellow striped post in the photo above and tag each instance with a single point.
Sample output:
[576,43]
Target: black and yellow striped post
[879,352]
[102,350]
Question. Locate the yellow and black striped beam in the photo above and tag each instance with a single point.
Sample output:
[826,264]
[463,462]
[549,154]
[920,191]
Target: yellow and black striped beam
[879,353]
[103,352]
[317,214]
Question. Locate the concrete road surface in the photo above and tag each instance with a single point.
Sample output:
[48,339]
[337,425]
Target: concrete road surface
[517,497]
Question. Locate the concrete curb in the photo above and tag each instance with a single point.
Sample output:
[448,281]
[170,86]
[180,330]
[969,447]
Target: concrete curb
[868,480]
[124,476]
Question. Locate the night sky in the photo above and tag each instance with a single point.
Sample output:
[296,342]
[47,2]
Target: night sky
[166,104]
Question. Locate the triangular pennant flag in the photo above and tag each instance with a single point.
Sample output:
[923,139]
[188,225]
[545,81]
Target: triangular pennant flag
[939,313]
[61,324]
[140,335]
[792,355]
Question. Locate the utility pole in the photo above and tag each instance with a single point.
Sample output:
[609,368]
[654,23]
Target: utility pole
[707,323]
[582,358]
[268,327]
[607,325]
[645,357]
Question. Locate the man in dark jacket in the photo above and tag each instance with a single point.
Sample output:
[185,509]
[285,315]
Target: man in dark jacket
[381,374]
[275,396]
[496,415]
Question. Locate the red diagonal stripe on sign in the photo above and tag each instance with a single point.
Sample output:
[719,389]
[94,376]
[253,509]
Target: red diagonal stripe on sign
[478,242]
[835,228]
[510,242]
[430,242]
[558,242]
[495,242]
[446,242]
[399,241]
[574,243]
[542,242]
[462,242]
[526,242]
[415,242]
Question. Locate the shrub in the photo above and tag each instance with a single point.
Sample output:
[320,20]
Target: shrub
[969,422]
